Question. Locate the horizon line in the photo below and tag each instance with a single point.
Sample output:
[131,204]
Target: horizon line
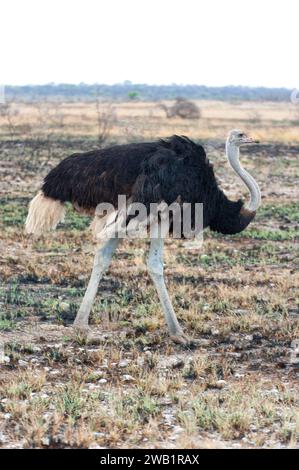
[130,83]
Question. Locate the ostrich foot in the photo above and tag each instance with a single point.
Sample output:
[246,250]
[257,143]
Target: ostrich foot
[84,335]
[184,340]
[80,331]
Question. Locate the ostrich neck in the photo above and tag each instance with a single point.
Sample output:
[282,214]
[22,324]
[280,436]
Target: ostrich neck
[232,152]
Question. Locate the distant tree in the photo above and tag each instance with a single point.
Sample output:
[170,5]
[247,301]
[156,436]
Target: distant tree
[133,95]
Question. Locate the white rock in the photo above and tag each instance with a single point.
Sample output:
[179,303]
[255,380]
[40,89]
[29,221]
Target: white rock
[102,381]
[123,363]
[248,337]
[95,446]
[22,363]
[215,332]
[127,378]
[92,386]
[45,441]
[221,383]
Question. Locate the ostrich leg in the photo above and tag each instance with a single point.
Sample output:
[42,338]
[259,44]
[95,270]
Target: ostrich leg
[155,268]
[101,263]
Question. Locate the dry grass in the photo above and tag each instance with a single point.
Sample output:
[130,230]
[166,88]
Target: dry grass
[238,294]
[271,122]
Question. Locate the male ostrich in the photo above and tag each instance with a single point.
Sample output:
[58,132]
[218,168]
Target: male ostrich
[166,170]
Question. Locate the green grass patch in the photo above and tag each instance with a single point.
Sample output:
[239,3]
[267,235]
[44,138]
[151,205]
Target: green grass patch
[286,212]
[261,253]
[259,234]
[13,212]
[274,235]
[73,220]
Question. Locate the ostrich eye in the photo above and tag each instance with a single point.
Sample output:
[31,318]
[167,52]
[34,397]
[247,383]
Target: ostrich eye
[241,135]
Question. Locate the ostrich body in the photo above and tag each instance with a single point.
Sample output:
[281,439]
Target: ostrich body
[165,170]
[183,109]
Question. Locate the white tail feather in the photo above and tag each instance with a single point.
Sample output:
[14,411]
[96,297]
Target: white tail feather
[44,214]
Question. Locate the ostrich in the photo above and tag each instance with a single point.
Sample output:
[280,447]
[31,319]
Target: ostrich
[165,170]
[182,108]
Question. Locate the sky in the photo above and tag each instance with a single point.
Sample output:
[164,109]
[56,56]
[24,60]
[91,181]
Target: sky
[209,42]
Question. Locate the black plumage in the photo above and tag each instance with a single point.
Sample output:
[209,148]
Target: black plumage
[168,170]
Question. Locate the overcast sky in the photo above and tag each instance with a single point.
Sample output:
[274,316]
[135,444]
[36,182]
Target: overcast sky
[211,42]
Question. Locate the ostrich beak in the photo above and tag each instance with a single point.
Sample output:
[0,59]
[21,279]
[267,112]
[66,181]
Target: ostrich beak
[249,140]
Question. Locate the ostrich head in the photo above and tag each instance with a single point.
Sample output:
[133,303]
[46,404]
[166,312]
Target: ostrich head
[235,216]
[239,138]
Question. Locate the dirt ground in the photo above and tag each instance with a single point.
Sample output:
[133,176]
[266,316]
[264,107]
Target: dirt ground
[237,294]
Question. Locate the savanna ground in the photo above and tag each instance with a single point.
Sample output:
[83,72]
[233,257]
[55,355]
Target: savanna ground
[238,294]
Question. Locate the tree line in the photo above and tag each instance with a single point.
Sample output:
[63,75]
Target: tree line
[130,91]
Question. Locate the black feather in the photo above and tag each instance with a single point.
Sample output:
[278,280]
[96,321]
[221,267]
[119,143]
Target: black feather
[148,172]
